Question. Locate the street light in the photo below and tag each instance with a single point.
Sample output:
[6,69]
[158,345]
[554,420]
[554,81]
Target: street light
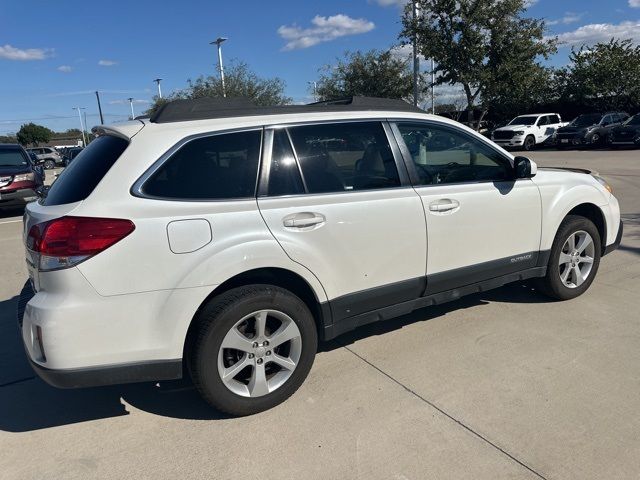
[416,60]
[219,41]
[315,90]
[133,115]
[158,80]
[84,139]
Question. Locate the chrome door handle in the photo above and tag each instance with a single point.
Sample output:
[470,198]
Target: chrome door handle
[443,205]
[303,219]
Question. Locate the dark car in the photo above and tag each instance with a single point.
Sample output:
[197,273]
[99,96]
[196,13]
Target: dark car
[626,134]
[589,129]
[70,154]
[20,177]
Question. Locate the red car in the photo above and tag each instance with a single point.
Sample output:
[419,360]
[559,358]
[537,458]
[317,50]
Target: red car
[20,178]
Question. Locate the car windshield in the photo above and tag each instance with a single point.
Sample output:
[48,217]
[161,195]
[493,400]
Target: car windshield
[586,120]
[635,120]
[524,120]
[12,158]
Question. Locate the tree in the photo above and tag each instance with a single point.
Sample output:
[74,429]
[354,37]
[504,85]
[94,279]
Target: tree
[32,134]
[604,76]
[240,81]
[477,44]
[371,74]
[8,139]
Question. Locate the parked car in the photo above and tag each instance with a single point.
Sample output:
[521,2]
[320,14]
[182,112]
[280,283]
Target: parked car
[626,134]
[589,129]
[20,177]
[229,239]
[49,157]
[527,131]
[70,154]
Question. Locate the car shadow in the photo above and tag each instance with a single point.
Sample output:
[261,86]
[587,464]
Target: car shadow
[27,403]
[11,212]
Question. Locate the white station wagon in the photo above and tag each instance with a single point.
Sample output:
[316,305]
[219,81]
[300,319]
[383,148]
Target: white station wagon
[225,240]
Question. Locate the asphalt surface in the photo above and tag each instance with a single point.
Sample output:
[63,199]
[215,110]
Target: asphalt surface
[503,384]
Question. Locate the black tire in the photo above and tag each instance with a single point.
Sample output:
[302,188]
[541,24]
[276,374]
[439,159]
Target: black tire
[551,284]
[596,140]
[529,143]
[49,164]
[218,317]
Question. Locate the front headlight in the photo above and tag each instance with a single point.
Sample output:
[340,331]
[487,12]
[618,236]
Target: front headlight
[26,177]
[604,183]
[519,132]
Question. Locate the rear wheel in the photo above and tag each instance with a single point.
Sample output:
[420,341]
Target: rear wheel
[574,259]
[254,347]
[596,139]
[529,143]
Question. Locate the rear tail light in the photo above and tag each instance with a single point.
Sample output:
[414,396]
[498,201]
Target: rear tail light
[26,177]
[67,241]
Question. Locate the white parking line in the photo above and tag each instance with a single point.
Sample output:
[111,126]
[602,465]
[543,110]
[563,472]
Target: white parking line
[11,221]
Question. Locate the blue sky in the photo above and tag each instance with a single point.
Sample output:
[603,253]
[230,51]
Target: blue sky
[53,55]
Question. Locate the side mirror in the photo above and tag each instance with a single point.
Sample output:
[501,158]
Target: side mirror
[524,167]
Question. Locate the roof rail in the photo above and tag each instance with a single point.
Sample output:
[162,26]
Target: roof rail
[209,108]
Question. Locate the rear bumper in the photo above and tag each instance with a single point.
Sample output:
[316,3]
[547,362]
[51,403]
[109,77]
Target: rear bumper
[614,246]
[18,197]
[110,375]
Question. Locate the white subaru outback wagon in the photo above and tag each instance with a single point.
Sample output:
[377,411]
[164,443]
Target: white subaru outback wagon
[224,240]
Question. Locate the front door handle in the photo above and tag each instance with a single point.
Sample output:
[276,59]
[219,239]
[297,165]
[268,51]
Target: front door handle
[303,219]
[443,205]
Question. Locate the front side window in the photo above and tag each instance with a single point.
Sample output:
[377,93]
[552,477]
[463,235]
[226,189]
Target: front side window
[443,155]
[209,168]
[345,157]
[544,120]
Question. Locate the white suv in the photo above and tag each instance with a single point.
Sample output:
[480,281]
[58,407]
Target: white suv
[228,239]
[527,131]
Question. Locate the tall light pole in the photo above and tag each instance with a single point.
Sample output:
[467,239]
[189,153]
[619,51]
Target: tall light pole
[219,41]
[158,80]
[315,90]
[133,115]
[433,85]
[99,108]
[84,138]
[416,60]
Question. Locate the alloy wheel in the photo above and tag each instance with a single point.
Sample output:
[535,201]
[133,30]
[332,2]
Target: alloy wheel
[259,353]
[576,259]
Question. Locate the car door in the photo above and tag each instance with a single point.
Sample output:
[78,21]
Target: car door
[541,131]
[339,202]
[481,223]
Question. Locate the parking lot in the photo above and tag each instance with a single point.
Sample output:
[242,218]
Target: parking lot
[503,384]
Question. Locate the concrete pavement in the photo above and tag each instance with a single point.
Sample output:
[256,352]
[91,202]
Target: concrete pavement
[503,384]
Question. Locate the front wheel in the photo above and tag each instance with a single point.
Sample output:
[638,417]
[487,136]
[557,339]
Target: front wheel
[49,164]
[254,347]
[529,143]
[574,259]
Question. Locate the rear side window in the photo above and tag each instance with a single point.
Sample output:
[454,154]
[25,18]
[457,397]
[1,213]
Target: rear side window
[77,181]
[209,168]
[344,157]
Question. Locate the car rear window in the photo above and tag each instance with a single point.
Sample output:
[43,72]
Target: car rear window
[12,157]
[78,180]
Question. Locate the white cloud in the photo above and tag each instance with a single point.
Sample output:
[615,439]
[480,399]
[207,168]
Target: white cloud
[107,63]
[634,3]
[404,52]
[530,3]
[64,68]
[601,32]
[568,18]
[12,53]
[323,29]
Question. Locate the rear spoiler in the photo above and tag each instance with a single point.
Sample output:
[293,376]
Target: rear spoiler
[125,130]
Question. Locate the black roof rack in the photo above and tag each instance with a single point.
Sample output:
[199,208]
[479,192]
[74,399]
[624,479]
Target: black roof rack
[209,108]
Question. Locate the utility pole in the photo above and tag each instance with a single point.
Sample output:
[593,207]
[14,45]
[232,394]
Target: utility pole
[86,125]
[133,115]
[315,90]
[84,138]
[219,41]
[433,84]
[99,108]
[158,80]
[416,61]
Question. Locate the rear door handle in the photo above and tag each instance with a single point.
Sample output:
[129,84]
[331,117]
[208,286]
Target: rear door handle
[443,205]
[303,219]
